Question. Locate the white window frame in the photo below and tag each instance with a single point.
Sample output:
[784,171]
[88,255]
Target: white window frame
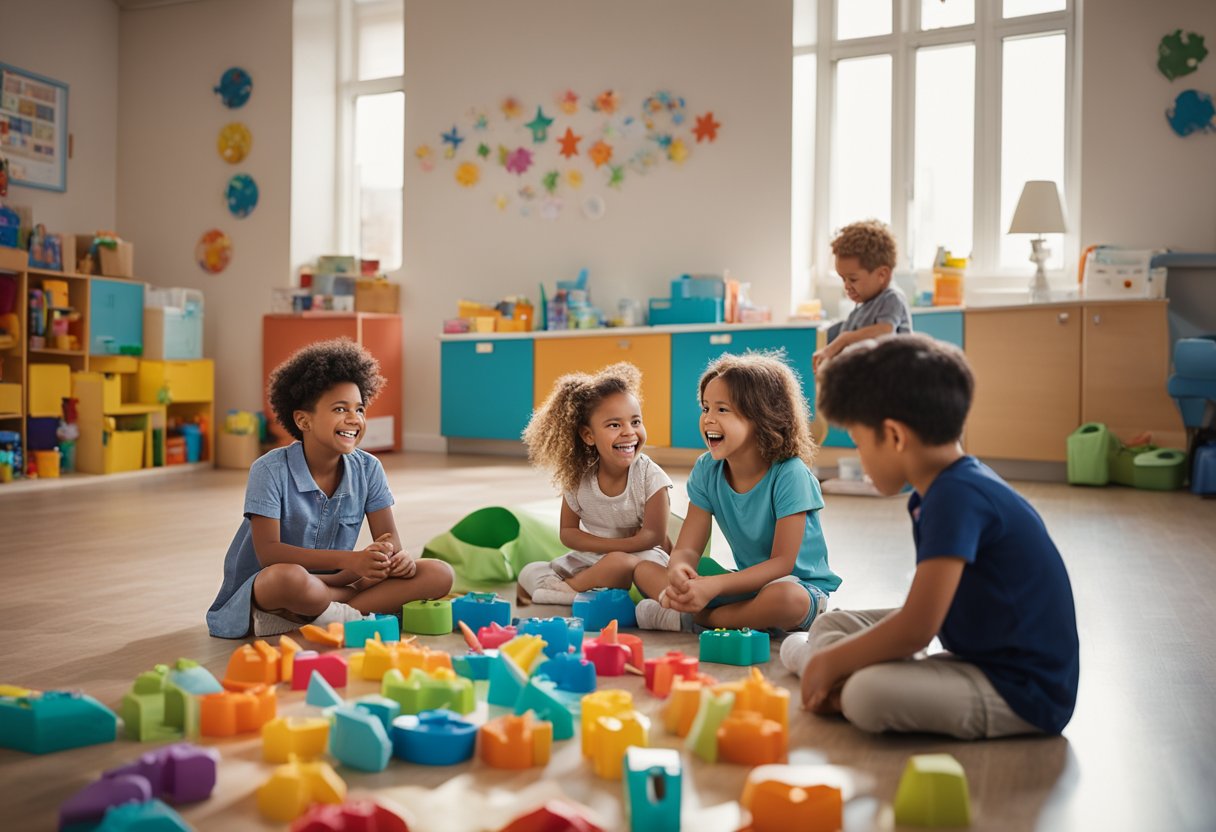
[987,33]
[351,88]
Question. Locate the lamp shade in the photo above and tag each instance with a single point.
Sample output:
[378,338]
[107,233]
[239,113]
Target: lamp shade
[1038,210]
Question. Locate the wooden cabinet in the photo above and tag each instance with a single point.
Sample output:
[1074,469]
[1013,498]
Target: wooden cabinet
[486,388]
[380,334]
[554,357]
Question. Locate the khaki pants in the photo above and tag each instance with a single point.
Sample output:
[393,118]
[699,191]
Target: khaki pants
[940,694]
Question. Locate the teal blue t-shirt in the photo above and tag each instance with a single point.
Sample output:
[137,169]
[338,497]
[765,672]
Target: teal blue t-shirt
[749,520]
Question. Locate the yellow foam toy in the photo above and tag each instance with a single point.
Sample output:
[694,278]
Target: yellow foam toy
[305,739]
[602,703]
[524,650]
[378,658]
[292,788]
[614,734]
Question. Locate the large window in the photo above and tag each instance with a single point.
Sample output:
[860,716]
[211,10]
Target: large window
[371,129]
[930,115]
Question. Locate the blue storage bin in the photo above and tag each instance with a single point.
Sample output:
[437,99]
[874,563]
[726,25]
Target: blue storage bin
[685,311]
[687,286]
[1203,471]
[173,325]
[194,442]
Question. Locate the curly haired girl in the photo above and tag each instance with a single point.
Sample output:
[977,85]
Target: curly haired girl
[291,560]
[589,435]
[756,482]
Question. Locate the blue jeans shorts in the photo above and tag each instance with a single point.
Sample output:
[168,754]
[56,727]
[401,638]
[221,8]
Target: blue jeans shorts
[819,600]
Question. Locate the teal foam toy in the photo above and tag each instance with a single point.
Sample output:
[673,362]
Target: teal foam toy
[599,606]
[652,783]
[539,696]
[738,647]
[932,792]
[153,816]
[357,633]
[427,618]
[54,721]
[192,677]
[321,693]
[481,609]
[507,681]
[357,739]
[381,707]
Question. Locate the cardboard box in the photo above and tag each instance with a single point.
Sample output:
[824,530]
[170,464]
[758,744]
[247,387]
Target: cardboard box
[377,296]
[238,450]
[118,262]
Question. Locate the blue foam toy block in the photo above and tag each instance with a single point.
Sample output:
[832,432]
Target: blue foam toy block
[506,682]
[560,634]
[474,665]
[539,696]
[570,672]
[599,606]
[358,739]
[321,693]
[153,816]
[480,609]
[433,738]
[381,707]
[652,783]
[358,632]
[54,721]
[193,678]
[738,647]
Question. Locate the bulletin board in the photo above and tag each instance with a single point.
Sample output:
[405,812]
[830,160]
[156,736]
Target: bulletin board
[34,128]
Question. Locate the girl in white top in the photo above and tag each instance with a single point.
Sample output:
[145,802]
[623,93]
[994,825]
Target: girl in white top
[589,435]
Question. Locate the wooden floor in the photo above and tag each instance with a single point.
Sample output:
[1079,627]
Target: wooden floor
[104,580]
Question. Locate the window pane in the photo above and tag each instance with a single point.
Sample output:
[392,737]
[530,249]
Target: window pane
[1032,134]
[945,150]
[381,38]
[938,14]
[862,18]
[1021,8]
[802,176]
[379,157]
[805,29]
[861,141]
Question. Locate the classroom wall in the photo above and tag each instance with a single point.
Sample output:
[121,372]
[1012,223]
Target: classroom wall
[172,181]
[726,208]
[76,43]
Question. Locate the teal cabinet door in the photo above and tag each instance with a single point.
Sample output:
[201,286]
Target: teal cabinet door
[116,317]
[691,352]
[485,388]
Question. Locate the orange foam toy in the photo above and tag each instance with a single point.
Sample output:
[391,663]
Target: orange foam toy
[747,738]
[662,671]
[681,708]
[288,648]
[756,693]
[780,807]
[252,665]
[378,658]
[334,635]
[230,713]
[516,742]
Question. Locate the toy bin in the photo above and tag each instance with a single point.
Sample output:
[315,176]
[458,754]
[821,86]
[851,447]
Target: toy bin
[1161,469]
[124,450]
[47,463]
[173,325]
[193,435]
[1089,449]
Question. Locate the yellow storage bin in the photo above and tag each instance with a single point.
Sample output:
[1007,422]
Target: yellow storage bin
[50,384]
[184,381]
[124,451]
[10,398]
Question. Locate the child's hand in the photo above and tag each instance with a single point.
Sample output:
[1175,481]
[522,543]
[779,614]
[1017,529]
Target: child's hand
[679,575]
[700,592]
[821,685]
[401,565]
[823,355]
[372,562]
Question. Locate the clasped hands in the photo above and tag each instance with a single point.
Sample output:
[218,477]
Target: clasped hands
[379,561]
[687,591]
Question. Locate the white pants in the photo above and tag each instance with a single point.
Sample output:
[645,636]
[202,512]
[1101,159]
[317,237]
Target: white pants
[571,563]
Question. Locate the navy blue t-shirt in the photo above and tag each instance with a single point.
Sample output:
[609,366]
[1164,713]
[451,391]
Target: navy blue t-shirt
[1013,614]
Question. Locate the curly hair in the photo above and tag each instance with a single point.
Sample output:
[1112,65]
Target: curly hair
[299,382]
[552,435]
[768,393]
[914,379]
[870,241]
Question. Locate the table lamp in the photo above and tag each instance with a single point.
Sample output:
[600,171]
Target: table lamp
[1038,212]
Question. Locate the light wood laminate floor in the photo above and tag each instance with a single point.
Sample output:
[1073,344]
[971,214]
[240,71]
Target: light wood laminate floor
[104,580]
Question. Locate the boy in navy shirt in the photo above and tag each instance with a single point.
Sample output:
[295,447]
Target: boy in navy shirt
[989,581]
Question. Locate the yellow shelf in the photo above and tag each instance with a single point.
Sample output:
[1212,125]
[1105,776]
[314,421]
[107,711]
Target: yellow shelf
[10,416]
[133,409]
[47,351]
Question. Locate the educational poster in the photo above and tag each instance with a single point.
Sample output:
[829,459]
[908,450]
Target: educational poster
[34,129]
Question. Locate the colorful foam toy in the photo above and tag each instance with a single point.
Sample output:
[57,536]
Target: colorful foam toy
[252,665]
[381,707]
[382,627]
[607,702]
[481,609]
[155,709]
[293,787]
[330,666]
[427,618]
[192,677]
[539,697]
[747,738]
[39,723]
[495,635]
[332,636]
[150,815]
[737,647]
[287,650]
[607,653]
[570,672]
[230,713]
[599,606]
[516,742]
[507,681]
[755,693]
[321,693]
[554,816]
[702,737]
[933,792]
[662,671]
[351,816]
[612,736]
[422,691]
[358,739]
[653,783]
[525,650]
[475,665]
[378,658]
[305,739]
[682,706]
[433,738]
[781,798]
[561,635]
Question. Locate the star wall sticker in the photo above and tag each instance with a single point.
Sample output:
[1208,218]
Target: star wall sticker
[483,150]
[569,143]
[519,160]
[549,180]
[616,175]
[606,102]
[600,153]
[539,126]
[568,102]
[453,138]
[511,108]
[481,122]
[706,127]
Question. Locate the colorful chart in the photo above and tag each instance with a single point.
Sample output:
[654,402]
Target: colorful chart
[234,142]
[234,88]
[214,251]
[242,195]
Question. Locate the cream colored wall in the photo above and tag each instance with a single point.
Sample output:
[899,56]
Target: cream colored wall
[727,207]
[172,182]
[76,43]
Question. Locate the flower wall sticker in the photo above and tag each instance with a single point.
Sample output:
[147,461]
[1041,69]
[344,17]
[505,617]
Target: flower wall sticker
[536,164]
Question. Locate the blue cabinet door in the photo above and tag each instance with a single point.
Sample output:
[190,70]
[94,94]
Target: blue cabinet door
[486,388]
[691,352]
[116,317]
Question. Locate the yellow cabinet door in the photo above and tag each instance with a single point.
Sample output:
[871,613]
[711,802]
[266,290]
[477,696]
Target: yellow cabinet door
[1124,370]
[182,381]
[554,357]
[1027,366]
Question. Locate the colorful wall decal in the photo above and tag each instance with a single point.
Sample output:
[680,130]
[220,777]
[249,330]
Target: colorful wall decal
[706,128]
[511,108]
[1179,54]
[242,195]
[567,102]
[213,251]
[539,126]
[600,153]
[519,160]
[234,142]
[1193,112]
[234,88]
[468,174]
[569,143]
[606,102]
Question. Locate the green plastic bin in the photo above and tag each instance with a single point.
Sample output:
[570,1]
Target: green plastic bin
[1089,450]
[1162,469]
